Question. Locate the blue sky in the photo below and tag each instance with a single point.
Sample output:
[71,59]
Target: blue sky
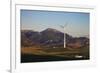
[77,23]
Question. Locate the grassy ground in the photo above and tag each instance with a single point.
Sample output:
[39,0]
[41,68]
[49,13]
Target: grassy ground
[40,54]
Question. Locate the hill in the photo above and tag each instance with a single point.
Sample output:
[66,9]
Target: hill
[50,37]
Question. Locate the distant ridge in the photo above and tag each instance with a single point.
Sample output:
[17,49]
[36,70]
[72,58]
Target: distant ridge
[51,30]
[49,37]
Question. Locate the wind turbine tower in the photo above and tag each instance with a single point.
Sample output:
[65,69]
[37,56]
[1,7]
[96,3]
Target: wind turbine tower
[64,31]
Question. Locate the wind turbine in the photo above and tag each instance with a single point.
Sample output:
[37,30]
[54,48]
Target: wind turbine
[64,31]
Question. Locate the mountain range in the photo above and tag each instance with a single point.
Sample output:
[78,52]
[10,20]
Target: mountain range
[50,37]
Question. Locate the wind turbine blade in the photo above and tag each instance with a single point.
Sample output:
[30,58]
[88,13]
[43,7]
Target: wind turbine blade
[61,26]
[65,24]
